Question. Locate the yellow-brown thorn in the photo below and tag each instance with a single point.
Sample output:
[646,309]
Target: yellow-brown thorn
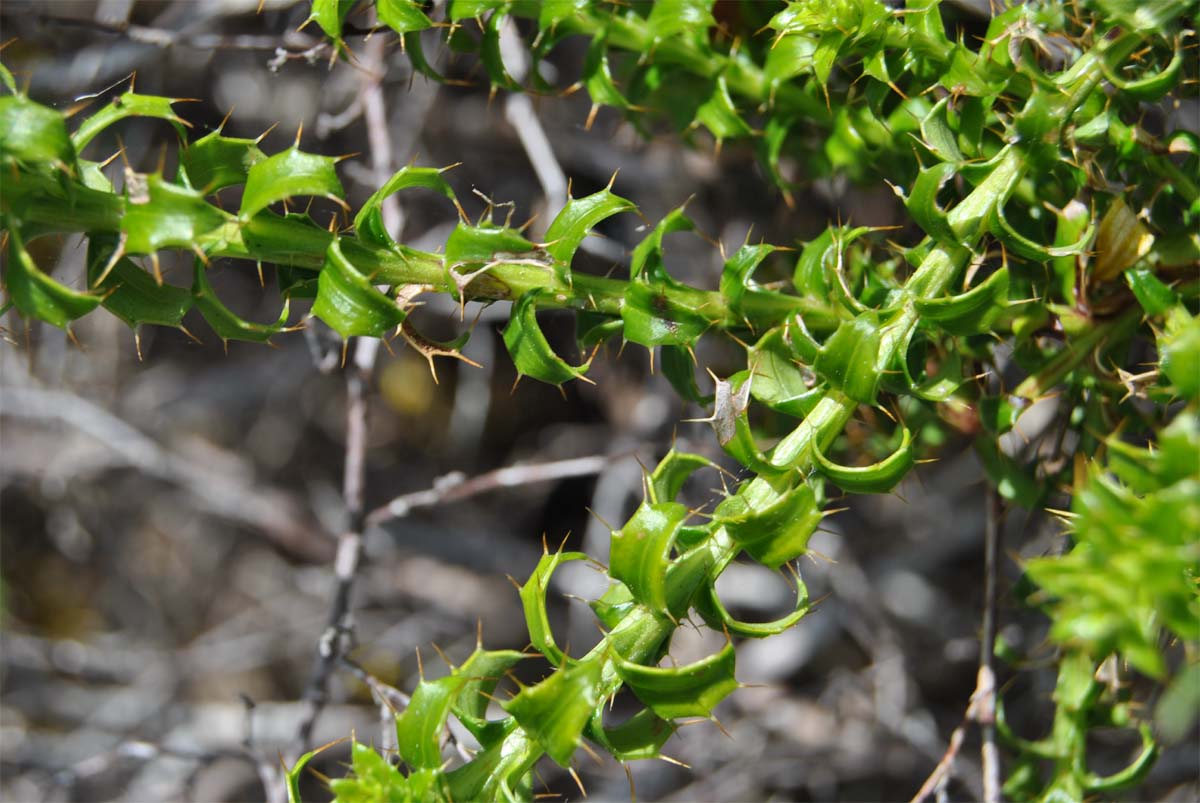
[578,781]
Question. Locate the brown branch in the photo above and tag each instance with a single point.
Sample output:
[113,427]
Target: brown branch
[455,486]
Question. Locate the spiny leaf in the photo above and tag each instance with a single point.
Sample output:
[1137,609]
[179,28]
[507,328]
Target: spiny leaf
[402,16]
[34,135]
[348,301]
[879,477]
[129,104]
[680,370]
[641,552]
[331,15]
[224,321]
[639,737]
[850,359]
[163,215]
[713,611]
[288,174]
[969,312]
[529,349]
[775,531]
[420,728]
[214,161]
[555,711]
[533,601]
[35,294]
[132,294]
[368,223]
[575,222]
[692,690]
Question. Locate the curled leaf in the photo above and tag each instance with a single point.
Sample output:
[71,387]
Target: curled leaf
[368,223]
[775,530]
[576,220]
[879,477]
[668,477]
[348,301]
[215,161]
[692,690]
[289,174]
[641,552]
[35,294]
[922,202]
[713,611]
[129,292]
[555,711]
[639,737]
[970,312]
[533,601]
[529,349]
[129,104]
[224,321]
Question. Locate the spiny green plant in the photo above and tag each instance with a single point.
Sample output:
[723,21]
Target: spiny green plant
[1053,220]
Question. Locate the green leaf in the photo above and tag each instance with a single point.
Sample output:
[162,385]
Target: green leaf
[1030,248]
[129,104]
[331,15]
[1154,296]
[480,674]
[1011,480]
[479,245]
[736,276]
[533,601]
[970,312]
[877,478]
[374,780]
[922,203]
[937,134]
[720,116]
[639,737]
[668,477]
[693,690]
[420,729]
[654,318]
[641,552]
[489,55]
[1179,353]
[402,16]
[680,370]
[780,380]
[214,162]
[289,174]
[34,135]
[670,18]
[555,711]
[575,222]
[713,611]
[597,77]
[348,301]
[36,295]
[160,215]
[368,223]
[849,360]
[776,531]
[227,324]
[529,349]
[130,293]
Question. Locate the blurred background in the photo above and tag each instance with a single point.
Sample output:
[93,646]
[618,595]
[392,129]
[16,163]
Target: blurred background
[168,521]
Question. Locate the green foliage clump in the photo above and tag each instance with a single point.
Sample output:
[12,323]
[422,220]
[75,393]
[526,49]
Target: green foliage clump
[1010,158]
